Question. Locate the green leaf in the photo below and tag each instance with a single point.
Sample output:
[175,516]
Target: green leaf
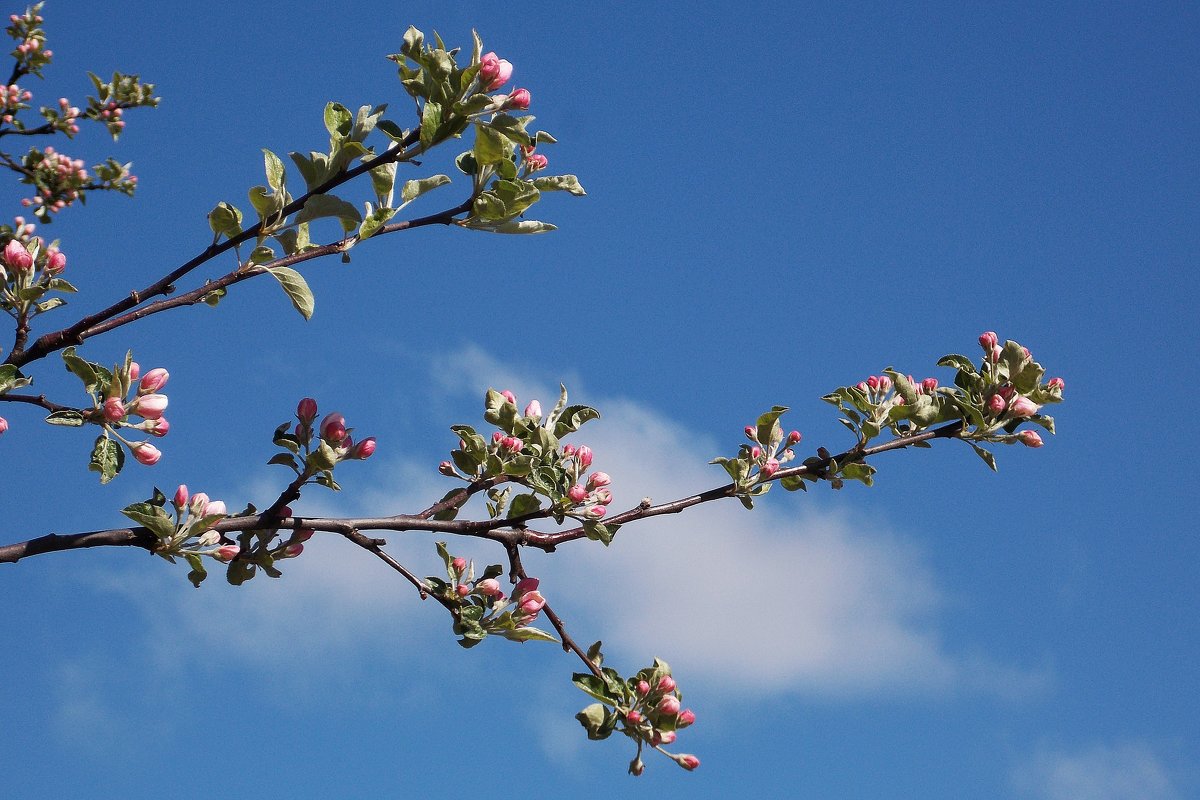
[52,303]
[859,472]
[572,418]
[326,205]
[152,517]
[198,573]
[414,189]
[297,290]
[526,635]
[512,128]
[523,226]
[599,532]
[262,254]
[383,181]
[594,687]
[60,285]
[374,221]
[490,146]
[276,176]
[391,130]
[431,120]
[767,429]
[11,377]
[107,458]
[986,455]
[337,120]
[559,183]
[91,374]
[70,419]
[524,504]
[957,362]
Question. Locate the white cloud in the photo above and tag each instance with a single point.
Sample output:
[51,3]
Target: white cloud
[1128,771]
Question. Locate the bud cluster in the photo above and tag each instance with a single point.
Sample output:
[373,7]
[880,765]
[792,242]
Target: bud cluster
[190,533]
[313,449]
[25,29]
[480,606]
[58,180]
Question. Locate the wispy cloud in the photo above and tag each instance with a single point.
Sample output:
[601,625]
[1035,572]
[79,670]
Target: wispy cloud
[1127,771]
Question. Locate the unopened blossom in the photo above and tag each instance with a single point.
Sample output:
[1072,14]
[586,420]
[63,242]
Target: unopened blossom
[1030,438]
[996,404]
[534,409]
[488,587]
[494,71]
[509,396]
[213,508]
[666,684]
[302,534]
[997,351]
[156,427]
[462,590]
[525,585]
[3,425]
[873,383]
[519,100]
[688,761]
[885,383]
[669,705]
[598,479]
[584,456]
[333,428]
[751,432]
[208,539]
[364,449]
[153,380]
[56,262]
[685,718]
[146,453]
[114,409]
[292,550]
[794,437]
[306,410]
[577,493]
[459,564]
[929,384]
[227,553]
[16,256]
[150,406]
[446,468]
[1023,407]
[596,512]
[1057,383]
[642,688]
[603,496]
[634,717]
[181,496]
[988,340]
[664,737]
[536,161]
[531,602]
[770,468]
[135,370]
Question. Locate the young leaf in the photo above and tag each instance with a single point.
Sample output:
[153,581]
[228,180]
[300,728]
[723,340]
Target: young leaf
[276,175]
[414,189]
[297,290]
[107,458]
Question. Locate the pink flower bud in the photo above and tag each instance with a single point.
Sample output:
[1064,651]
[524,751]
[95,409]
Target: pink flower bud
[577,493]
[302,534]
[642,688]
[669,705]
[929,385]
[536,162]
[666,684]
[688,762]
[364,449]
[306,410]
[199,501]
[1057,383]
[149,406]
[584,456]
[16,256]
[598,479]
[531,602]
[997,351]
[446,468]
[153,380]
[534,409]
[770,468]
[57,262]
[996,404]
[459,564]
[862,386]
[3,425]
[794,437]
[519,100]
[664,737]
[755,452]
[333,428]
[525,585]
[157,427]
[686,717]
[181,496]
[634,717]
[211,508]
[292,550]
[596,512]
[1023,407]
[114,409]
[146,453]
[885,383]
[134,371]
[509,396]
[603,496]
[988,340]
[568,450]
[462,590]
[494,72]
[227,553]
[488,587]
[873,383]
[899,400]
[497,437]
[1025,352]
[1030,438]
[751,433]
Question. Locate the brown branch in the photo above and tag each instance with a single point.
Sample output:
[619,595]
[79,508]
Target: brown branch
[40,400]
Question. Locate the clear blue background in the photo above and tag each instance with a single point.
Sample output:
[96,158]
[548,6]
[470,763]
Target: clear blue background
[780,201]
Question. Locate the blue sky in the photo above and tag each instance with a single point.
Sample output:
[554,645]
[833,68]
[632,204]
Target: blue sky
[780,201]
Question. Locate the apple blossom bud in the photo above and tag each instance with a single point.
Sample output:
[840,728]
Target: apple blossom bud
[212,508]
[306,410]
[292,550]
[134,371]
[898,400]
[153,380]
[531,602]
[770,468]
[996,404]
[997,351]
[637,767]
[929,384]
[1023,407]
[181,496]
[751,433]
[666,684]
[3,425]
[534,409]
[598,479]
[17,256]
[208,539]
[459,564]
[114,409]
[446,468]
[227,553]
[634,717]
[794,437]
[596,512]
[664,737]
[494,72]
[669,705]
[149,406]
[885,383]
[497,437]
[1057,383]
[1025,352]
[988,340]
[688,761]
[1030,438]
[584,456]
[872,383]
[462,590]
[57,262]
[685,718]
[568,450]
[525,585]
[488,587]
[302,534]
[333,428]
[577,493]
[862,386]
[755,452]
[642,688]
[364,449]
[519,99]
[536,161]
[199,501]
[509,396]
[146,453]
[157,427]
[603,496]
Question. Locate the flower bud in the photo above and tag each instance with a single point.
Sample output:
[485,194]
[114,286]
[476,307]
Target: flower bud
[494,72]
[114,409]
[596,512]
[577,493]
[536,162]
[149,406]
[509,396]
[292,550]
[997,351]
[584,456]
[156,427]
[770,468]
[488,587]
[603,496]
[751,433]
[666,684]
[755,452]
[446,468]
[181,496]
[534,409]
[497,437]
[794,437]
[1057,383]
[1030,438]
[16,256]
[306,410]
[598,479]
[462,590]
[634,717]
[199,501]
[669,705]
[146,453]
[134,371]
[208,539]
[929,385]
[688,761]
[685,718]
[637,767]
[1023,407]
[996,404]
[885,383]
[459,564]
[302,534]
[988,340]
[519,100]
[211,508]
[872,383]
[227,553]
[525,585]
[664,737]
[364,449]
[531,602]
[568,450]
[642,688]
[862,386]
[333,428]
[57,262]
[153,380]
